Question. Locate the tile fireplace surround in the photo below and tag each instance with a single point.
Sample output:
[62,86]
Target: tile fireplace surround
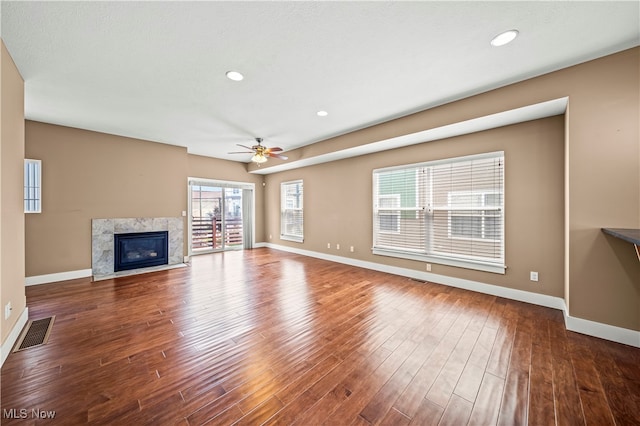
[102,237]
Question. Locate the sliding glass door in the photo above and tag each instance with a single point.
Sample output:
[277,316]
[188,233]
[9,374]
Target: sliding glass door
[217,218]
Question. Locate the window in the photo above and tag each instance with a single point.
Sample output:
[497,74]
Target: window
[291,211]
[469,221]
[32,186]
[447,211]
[389,216]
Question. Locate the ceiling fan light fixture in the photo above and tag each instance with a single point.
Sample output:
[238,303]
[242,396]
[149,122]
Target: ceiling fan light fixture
[504,38]
[234,75]
[260,152]
[259,158]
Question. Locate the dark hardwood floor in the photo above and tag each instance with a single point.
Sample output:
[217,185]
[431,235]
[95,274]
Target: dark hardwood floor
[268,337]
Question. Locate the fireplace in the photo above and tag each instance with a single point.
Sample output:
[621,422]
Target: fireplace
[140,250]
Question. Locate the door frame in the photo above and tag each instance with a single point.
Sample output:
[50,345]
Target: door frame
[221,184]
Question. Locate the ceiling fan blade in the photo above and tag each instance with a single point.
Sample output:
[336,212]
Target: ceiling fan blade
[280,156]
[261,150]
[244,146]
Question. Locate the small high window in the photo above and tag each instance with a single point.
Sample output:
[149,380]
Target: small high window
[32,186]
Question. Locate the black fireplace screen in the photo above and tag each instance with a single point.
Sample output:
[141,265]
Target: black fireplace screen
[141,250]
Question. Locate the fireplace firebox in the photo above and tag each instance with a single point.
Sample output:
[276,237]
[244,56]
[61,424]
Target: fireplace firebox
[140,250]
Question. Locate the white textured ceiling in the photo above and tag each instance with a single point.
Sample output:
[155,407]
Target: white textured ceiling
[156,70]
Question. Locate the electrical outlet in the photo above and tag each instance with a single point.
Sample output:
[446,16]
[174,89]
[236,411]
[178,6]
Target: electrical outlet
[533,276]
[328,245]
[337,246]
[428,267]
[7,310]
[351,249]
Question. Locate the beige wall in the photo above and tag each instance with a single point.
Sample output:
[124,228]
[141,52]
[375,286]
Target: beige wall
[602,170]
[88,175]
[604,189]
[338,202]
[12,243]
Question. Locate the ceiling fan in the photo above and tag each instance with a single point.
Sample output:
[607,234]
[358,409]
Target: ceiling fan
[261,152]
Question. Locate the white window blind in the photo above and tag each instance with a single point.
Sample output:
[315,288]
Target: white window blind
[291,211]
[447,211]
[32,186]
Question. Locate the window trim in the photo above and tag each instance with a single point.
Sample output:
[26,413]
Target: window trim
[284,236]
[441,260]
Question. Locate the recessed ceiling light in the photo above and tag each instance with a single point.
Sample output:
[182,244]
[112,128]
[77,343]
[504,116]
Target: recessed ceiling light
[504,38]
[234,75]
[322,113]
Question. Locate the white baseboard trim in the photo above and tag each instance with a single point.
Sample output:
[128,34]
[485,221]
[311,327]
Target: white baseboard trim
[60,276]
[259,245]
[494,290]
[603,331]
[7,346]
[590,328]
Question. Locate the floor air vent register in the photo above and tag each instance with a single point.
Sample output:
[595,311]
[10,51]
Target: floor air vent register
[36,333]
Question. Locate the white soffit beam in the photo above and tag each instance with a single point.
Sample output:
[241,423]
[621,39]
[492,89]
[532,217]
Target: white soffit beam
[492,121]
